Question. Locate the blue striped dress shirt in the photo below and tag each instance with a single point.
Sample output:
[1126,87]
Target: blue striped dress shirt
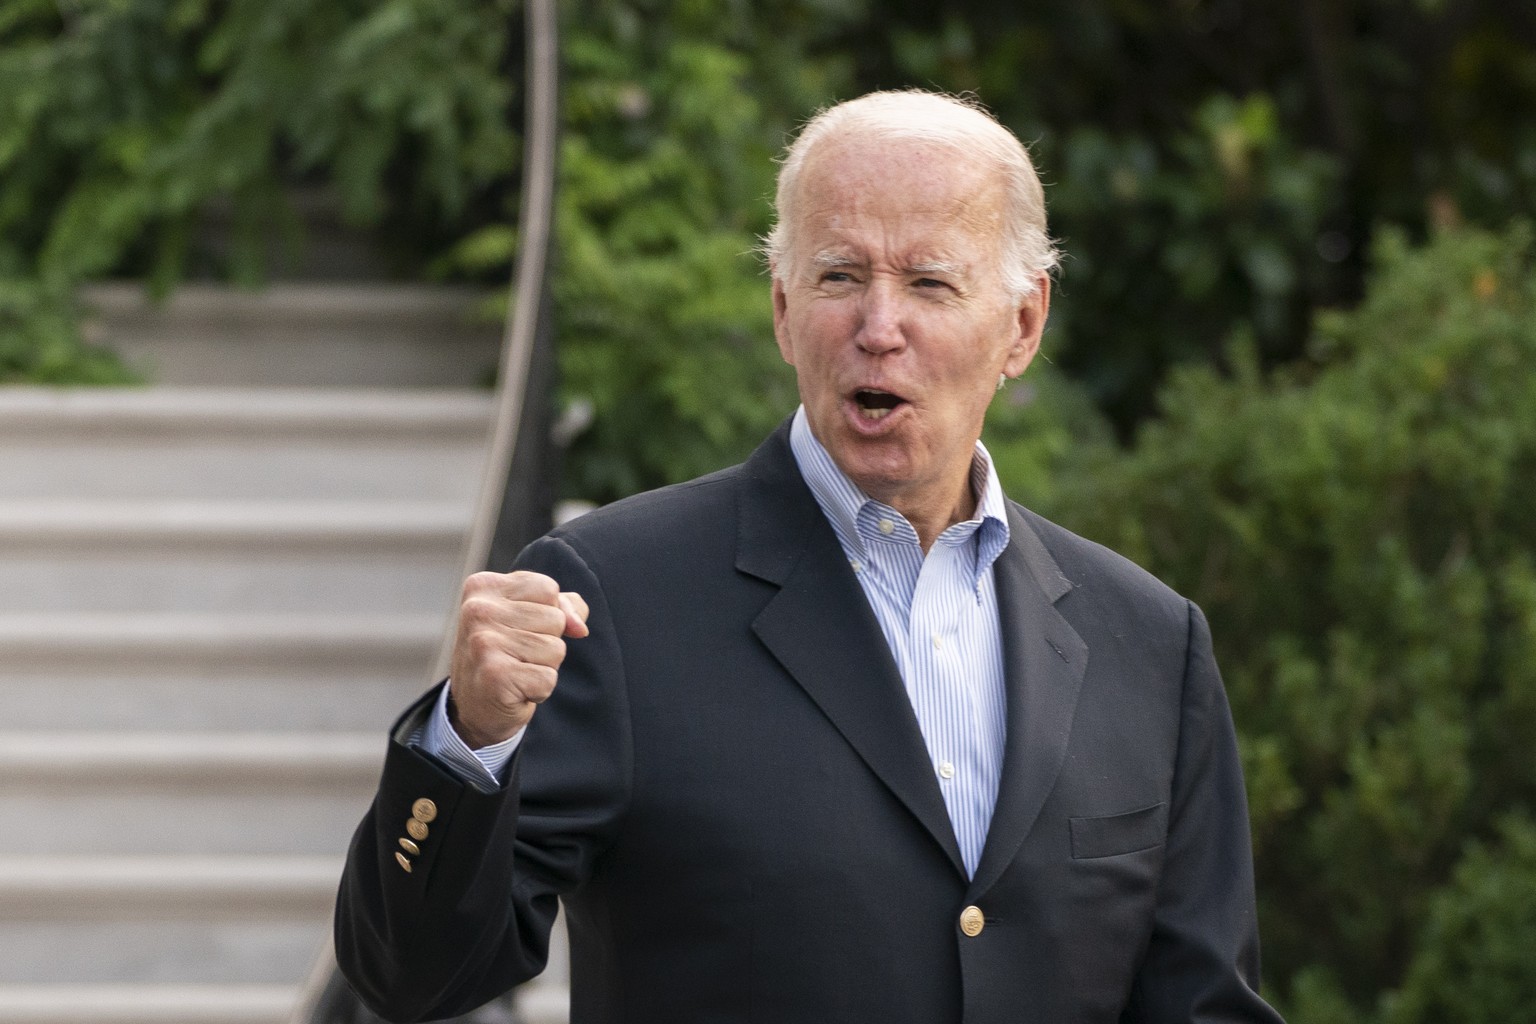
[939,615]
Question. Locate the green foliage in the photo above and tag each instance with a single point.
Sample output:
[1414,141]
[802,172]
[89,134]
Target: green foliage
[1474,960]
[1042,429]
[1362,539]
[157,138]
[665,321]
[1221,165]
[126,127]
[1177,243]
[671,126]
[40,341]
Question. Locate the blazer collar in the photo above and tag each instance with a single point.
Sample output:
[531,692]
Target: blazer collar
[1043,663]
[821,629]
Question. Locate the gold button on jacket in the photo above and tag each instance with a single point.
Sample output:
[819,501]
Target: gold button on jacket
[424,811]
[972,921]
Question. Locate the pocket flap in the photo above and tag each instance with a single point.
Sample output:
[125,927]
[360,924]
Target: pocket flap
[1113,834]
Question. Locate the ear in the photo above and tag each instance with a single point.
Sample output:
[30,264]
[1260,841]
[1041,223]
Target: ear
[781,318]
[1031,314]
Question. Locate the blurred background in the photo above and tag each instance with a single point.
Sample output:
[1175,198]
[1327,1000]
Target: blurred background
[1291,364]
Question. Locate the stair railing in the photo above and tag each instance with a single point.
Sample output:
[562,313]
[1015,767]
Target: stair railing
[326,998]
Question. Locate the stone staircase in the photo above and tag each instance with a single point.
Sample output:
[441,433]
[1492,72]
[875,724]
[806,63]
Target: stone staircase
[216,596]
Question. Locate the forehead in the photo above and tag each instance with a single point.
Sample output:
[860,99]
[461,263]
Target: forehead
[918,195]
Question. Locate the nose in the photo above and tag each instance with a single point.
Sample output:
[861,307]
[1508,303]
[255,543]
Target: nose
[880,321]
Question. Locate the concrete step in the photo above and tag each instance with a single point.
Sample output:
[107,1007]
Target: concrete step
[153,556]
[199,697]
[146,1004]
[238,444]
[294,334]
[162,919]
[540,1002]
[325,760]
[169,887]
[185,951]
[257,527]
[100,639]
[101,672]
[218,596]
[233,794]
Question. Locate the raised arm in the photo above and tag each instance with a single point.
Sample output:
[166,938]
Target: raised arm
[449,892]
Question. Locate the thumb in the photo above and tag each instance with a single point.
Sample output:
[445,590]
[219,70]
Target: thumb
[575,609]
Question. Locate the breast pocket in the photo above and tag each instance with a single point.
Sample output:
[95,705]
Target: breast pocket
[1111,835]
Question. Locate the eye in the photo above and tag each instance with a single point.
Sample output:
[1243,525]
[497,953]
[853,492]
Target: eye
[930,283]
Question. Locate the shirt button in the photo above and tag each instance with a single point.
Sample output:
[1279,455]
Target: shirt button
[886,527]
[938,642]
[946,770]
[858,566]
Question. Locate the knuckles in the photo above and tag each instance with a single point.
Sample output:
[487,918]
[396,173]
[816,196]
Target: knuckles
[478,608]
[521,585]
[543,649]
[539,684]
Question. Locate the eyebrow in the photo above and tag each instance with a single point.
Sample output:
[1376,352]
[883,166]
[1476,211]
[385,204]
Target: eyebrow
[828,260]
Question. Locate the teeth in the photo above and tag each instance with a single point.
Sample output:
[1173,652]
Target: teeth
[874,414]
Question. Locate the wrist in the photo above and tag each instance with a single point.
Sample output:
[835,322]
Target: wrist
[474,739]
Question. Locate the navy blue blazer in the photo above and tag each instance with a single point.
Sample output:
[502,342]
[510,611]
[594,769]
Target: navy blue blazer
[729,791]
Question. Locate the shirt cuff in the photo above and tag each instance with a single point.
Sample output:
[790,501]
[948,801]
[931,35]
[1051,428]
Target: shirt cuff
[485,768]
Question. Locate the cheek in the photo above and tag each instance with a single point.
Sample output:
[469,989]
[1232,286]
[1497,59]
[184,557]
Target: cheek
[815,338]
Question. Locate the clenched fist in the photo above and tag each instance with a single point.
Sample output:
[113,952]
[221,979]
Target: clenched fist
[508,650]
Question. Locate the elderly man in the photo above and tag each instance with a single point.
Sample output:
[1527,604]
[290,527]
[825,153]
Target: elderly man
[839,735]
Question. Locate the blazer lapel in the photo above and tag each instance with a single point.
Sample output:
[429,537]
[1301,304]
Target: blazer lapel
[1043,664]
[820,628]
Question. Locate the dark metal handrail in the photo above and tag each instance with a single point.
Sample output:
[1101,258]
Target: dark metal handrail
[536,228]
[326,998]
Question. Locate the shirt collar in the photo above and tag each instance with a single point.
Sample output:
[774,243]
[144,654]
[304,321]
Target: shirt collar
[841,500]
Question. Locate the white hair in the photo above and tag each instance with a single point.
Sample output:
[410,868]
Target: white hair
[956,122]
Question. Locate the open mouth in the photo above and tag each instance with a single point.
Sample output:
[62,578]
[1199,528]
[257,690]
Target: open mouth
[876,405]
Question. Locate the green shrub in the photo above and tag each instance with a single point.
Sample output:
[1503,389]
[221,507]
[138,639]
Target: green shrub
[40,340]
[1473,964]
[1360,531]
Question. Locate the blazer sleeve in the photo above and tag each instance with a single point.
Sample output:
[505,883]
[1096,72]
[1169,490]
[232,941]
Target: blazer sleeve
[470,916]
[1202,962]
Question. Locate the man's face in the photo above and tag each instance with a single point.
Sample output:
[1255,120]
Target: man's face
[894,314]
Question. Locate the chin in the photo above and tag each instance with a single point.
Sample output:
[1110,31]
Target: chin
[877,477]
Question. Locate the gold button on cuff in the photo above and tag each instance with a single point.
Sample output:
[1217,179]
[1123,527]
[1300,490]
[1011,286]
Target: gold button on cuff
[424,810]
[972,921]
[418,830]
[404,861]
[409,847]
